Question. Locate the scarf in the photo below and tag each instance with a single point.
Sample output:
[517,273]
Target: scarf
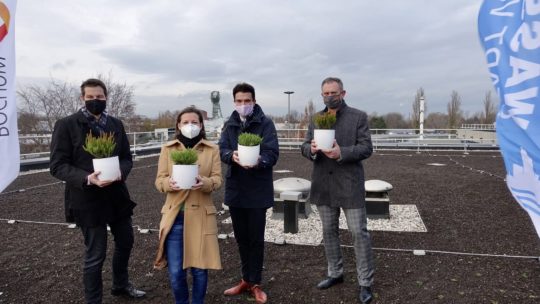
[96,125]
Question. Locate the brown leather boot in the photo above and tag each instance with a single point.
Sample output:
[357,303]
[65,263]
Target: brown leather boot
[238,289]
[258,294]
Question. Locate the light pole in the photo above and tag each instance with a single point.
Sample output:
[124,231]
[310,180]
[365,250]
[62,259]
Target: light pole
[422,107]
[289,104]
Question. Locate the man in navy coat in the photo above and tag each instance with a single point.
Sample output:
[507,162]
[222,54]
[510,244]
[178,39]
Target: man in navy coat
[249,190]
[92,203]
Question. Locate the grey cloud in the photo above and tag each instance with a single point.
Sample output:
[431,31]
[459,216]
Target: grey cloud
[177,67]
[162,103]
[63,65]
[383,50]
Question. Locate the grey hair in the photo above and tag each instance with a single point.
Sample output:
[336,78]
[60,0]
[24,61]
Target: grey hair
[333,79]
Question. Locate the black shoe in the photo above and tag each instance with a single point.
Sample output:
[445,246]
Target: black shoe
[329,282]
[365,294]
[129,291]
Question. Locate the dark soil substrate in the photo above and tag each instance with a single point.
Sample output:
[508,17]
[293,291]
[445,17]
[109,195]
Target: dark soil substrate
[465,206]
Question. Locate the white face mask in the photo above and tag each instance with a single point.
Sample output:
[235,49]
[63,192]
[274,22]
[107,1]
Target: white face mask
[190,130]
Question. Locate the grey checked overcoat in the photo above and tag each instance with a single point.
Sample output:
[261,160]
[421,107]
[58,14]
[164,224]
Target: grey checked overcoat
[340,183]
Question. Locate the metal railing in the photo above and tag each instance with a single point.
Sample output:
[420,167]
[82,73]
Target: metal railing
[478,126]
[406,139]
[289,139]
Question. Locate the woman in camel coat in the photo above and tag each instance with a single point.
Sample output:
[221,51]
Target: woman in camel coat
[188,227]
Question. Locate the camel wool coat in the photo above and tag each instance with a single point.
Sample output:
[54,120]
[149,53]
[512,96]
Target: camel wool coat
[201,249]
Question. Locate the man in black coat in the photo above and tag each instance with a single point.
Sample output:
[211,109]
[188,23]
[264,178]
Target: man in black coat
[249,190]
[338,184]
[93,203]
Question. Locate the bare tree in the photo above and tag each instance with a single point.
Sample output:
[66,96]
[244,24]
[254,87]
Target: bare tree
[437,120]
[277,119]
[309,110]
[119,97]
[416,108]
[476,118]
[27,123]
[46,104]
[166,119]
[294,117]
[454,110]
[395,120]
[490,110]
[138,123]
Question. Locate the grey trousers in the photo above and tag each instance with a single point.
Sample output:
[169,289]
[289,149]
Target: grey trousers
[357,223]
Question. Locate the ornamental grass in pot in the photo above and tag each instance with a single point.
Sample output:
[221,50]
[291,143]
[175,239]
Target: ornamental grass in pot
[185,170]
[249,148]
[324,132]
[102,148]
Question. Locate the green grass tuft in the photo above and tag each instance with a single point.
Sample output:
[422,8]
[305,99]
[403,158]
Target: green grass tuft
[101,146]
[184,157]
[249,139]
[325,120]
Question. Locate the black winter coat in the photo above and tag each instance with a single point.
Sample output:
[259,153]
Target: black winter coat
[249,188]
[89,205]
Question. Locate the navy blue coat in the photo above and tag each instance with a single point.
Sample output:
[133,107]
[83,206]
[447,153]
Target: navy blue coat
[249,188]
[89,205]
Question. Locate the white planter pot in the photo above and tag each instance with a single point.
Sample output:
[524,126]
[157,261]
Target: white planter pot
[109,168]
[249,155]
[185,176]
[324,138]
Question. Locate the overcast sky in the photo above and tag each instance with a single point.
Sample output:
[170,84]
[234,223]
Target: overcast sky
[174,53]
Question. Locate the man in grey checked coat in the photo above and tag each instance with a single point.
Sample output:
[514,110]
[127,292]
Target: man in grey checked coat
[338,183]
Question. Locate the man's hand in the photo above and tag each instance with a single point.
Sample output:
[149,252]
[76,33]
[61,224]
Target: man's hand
[236,159]
[313,147]
[333,153]
[93,180]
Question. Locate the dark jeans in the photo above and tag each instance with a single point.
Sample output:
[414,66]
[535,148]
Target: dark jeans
[248,226]
[95,240]
[177,275]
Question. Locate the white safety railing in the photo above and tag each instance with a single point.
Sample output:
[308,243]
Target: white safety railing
[390,139]
[37,146]
[478,126]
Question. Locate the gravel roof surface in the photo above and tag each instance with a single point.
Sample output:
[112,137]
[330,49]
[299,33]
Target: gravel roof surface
[479,245]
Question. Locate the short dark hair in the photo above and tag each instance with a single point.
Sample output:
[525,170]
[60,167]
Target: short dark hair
[190,109]
[93,82]
[244,88]
[333,79]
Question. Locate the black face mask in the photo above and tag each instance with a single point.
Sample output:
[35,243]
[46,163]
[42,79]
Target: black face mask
[95,106]
[332,102]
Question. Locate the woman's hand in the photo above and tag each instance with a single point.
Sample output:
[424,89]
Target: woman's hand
[199,183]
[173,185]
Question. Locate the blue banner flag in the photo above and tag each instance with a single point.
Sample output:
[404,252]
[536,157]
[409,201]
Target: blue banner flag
[510,34]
